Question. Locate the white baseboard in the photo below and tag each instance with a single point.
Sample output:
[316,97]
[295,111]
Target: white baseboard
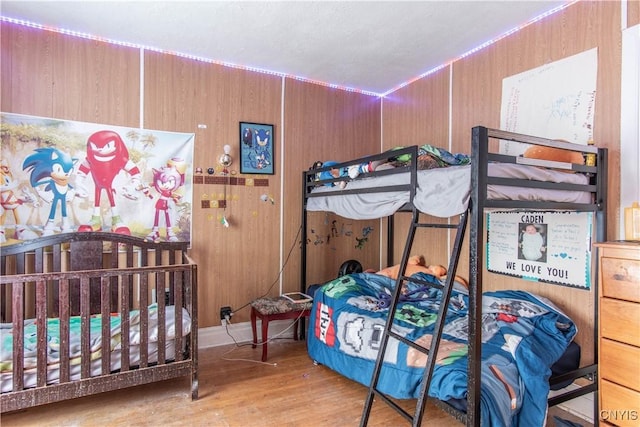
[214,336]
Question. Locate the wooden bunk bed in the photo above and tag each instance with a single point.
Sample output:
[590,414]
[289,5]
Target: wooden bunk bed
[480,188]
[56,293]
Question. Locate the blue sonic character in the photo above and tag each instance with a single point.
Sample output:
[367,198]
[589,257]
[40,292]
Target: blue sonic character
[51,167]
[262,157]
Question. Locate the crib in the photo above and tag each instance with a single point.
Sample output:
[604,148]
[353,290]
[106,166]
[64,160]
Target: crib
[86,313]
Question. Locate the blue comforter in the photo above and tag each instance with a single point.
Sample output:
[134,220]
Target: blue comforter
[522,334]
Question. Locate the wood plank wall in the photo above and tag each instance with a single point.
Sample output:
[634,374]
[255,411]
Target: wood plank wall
[476,83]
[208,99]
[326,124]
[633,13]
[53,75]
[50,75]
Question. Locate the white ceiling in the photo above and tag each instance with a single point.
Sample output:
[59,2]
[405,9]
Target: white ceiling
[372,46]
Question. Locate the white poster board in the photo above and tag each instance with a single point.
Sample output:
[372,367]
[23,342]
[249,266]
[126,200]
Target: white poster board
[554,101]
[546,246]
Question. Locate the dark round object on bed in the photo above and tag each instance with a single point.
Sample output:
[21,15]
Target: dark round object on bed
[349,267]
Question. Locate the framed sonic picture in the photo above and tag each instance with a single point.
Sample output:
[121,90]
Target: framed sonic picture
[256,148]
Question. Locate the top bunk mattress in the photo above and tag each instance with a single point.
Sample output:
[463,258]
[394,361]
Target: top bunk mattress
[443,192]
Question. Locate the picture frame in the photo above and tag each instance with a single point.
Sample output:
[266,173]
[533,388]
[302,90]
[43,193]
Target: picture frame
[257,148]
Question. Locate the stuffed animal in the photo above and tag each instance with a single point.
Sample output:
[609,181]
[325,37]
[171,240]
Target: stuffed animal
[554,154]
[415,264]
[355,170]
[331,173]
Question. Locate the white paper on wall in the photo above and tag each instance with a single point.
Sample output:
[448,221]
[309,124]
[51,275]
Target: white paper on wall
[553,101]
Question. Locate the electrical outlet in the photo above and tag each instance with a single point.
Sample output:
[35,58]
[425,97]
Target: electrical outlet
[225,313]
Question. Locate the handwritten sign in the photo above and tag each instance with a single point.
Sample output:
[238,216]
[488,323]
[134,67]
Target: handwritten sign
[546,246]
[554,101]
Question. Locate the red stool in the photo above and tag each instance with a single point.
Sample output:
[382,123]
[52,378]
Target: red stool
[268,309]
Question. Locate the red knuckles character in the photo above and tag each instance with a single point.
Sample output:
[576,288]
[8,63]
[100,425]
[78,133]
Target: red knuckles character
[107,156]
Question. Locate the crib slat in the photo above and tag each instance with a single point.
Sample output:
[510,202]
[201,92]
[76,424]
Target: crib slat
[105,304]
[128,282]
[144,320]
[144,303]
[39,260]
[41,330]
[86,255]
[113,250]
[20,263]
[192,304]
[57,257]
[177,286]
[18,335]
[56,265]
[4,291]
[162,319]
[172,261]
[129,252]
[63,299]
[172,257]
[144,256]
[113,287]
[125,301]
[85,327]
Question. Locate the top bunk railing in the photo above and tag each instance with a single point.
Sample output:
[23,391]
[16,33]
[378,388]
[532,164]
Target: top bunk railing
[312,178]
[494,179]
[484,155]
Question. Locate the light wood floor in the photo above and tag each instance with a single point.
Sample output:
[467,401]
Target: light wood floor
[234,393]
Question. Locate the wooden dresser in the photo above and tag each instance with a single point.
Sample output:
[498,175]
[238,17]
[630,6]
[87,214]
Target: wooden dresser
[619,333]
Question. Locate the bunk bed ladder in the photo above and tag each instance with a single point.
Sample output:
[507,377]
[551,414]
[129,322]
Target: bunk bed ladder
[431,352]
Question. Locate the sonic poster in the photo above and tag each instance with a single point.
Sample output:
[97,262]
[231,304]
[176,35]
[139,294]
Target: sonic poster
[63,176]
[256,148]
[546,246]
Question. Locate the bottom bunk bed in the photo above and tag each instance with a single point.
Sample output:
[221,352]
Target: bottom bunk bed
[523,337]
[85,313]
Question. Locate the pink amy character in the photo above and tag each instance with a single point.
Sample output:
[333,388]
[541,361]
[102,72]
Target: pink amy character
[166,180]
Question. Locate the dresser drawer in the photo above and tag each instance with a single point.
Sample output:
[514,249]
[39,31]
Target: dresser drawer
[619,363]
[621,278]
[619,405]
[620,320]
